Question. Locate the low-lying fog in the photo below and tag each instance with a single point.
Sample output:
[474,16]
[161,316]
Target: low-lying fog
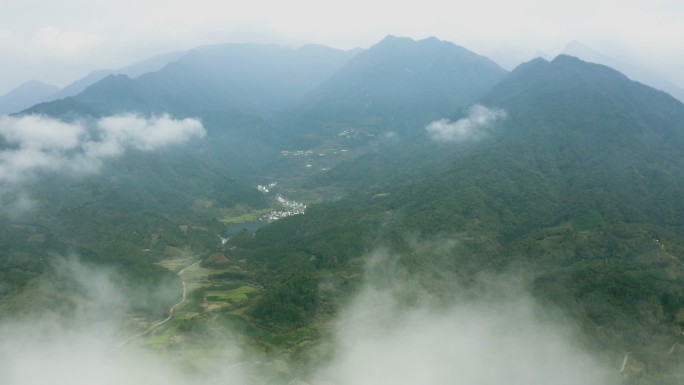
[502,337]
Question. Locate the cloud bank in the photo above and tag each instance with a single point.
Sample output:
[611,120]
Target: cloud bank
[501,342]
[401,330]
[38,143]
[74,342]
[499,336]
[472,127]
[77,349]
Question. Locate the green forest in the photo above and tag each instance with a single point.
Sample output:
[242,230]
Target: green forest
[573,192]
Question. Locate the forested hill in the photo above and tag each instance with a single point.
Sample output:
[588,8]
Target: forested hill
[399,83]
[577,186]
[581,94]
[306,94]
[241,79]
[566,174]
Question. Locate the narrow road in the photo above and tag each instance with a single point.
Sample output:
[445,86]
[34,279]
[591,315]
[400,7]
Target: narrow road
[626,359]
[624,362]
[165,320]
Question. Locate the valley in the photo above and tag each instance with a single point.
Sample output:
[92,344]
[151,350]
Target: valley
[406,212]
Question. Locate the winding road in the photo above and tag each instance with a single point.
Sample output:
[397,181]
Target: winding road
[172,310]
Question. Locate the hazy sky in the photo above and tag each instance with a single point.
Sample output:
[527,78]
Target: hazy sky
[60,41]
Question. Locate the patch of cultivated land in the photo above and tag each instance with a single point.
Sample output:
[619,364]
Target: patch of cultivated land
[207,298]
[235,296]
[215,317]
[231,217]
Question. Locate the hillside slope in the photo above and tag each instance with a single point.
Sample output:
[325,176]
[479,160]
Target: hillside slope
[396,84]
[575,191]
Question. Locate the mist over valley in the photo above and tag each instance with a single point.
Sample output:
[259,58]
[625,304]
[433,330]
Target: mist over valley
[407,213]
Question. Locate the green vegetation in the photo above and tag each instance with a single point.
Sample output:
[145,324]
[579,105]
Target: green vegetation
[234,295]
[251,216]
[161,338]
[290,303]
[577,192]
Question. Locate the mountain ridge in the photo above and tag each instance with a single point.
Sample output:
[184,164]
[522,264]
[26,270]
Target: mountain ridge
[248,78]
[397,74]
[572,185]
[642,75]
[577,189]
[25,96]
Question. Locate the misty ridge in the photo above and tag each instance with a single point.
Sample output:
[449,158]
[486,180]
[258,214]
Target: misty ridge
[409,213]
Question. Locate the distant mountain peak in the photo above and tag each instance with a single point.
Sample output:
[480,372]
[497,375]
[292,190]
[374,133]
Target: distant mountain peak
[404,82]
[391,42]
[251,79]
[34,84]
[582,51]
[37,83]
[530,65]
[432,38]
[537,60]
[564,67]
[394,38]
[26,95]
[582,66]
[541,54]
[581,93]
[564,58]
[633,70]
[402,41]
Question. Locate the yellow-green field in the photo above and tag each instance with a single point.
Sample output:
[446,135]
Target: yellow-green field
[248,217]
[235,295]
[160,338]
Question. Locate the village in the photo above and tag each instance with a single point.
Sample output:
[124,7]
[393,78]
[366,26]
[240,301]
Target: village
[291,207]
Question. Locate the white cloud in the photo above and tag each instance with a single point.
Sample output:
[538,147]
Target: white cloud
[43,144]
[36,131]
[472,127]
[17,165]
[36,353]
[505,339]
[498,336]
[76,346]
[148,134]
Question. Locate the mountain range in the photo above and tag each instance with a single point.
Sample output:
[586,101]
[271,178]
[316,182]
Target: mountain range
[25,96]
[400,82]
[34,92]
[634,71]
[564,173]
